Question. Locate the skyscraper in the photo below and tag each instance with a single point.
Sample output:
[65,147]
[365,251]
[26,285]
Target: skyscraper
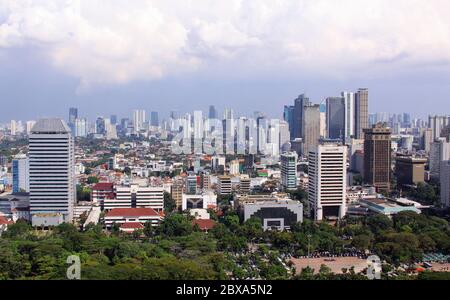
[154,119]
[299,105]
[52,184]
[361,112]
[377,157]
[73,115]
[310,127]
[336,117]
[437,123]
[138,119]
[327,170]
[440,151]
[349,102]
[20,171]
[212,114]
[81,127]
[289,170]
[445,183]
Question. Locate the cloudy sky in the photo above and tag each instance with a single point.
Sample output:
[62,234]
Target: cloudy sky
[114,56]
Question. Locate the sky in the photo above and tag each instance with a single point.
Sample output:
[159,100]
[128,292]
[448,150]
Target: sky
[110,57]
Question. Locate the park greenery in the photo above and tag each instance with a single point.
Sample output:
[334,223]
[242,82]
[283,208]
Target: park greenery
[232,249]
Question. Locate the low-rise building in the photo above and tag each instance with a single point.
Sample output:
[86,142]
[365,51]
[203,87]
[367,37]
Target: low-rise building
[205,200]
[276,212]
[122,216]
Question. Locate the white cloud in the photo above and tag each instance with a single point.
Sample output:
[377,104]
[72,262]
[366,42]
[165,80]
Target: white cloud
[119,41]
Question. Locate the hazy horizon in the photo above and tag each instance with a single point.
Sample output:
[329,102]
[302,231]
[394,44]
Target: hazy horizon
[111,58]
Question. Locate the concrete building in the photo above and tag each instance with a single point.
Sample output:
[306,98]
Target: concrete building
[244,184]
[136,196]
[224,185]
[361,112]
[191,184]
[440,151]
[205,200]
[20,176]
[234,167]
[132,218]
[310,127]
[275,212]
[289,170]
[445,183]
[427,139]
[410,170]
[327,171]
[377,157]
[336,117]
[176,191]
[51,180]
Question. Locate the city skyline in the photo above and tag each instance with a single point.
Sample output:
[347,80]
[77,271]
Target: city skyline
[94,56]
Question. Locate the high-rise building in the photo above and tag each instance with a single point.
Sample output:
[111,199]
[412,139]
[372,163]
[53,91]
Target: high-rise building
[191,184]
[13,127]
[349,102]
[234,167]
[310,127]
[285,135]
[100,127]
[228,114]
[427,139]
[81,127]
[138,119]
[299,105]
[20,165]
[154,119]
[176,191]
[113,119]
[73,115]
[377,157]
[336,118]
[410,170]
[440,151]
[289,170]
[327,171]
[212,114]
[437,123]
[288,116]
[361,112]
[445,183]
[51,167]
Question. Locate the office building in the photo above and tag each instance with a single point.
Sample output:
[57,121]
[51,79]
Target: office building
[299,105]
[377,157]
[327,171]
[310,127]
[191,184]
[349,102]
[205,200]
[289,170]
[244,184]
[275,212]
[20,170]
[154,119]
[81,127]
[437,123]
[234,167]
[445,183]
[138,119]
[288,116]
[440,151]
[361,112]
[176,191]
[335,118]
[212,114]
[136,196]
[427,139]
[410,170]
[224,185]
[51,167]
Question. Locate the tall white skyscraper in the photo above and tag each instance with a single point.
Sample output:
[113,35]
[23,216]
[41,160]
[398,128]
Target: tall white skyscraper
[52,184]
[81,127]
[327,185]
[289,170]
[349,102]
[138,119]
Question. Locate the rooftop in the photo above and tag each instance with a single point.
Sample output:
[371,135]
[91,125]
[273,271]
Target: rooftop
[50,126]
[132,212]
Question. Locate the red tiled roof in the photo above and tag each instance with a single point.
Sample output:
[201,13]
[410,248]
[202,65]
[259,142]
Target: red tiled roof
[132,212]
[132,225]
[103,186]
[4,221]
[204,224]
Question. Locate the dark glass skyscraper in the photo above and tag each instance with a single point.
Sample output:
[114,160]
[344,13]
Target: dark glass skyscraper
[212,112]
[154,119]
[299,105]
[335,117]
